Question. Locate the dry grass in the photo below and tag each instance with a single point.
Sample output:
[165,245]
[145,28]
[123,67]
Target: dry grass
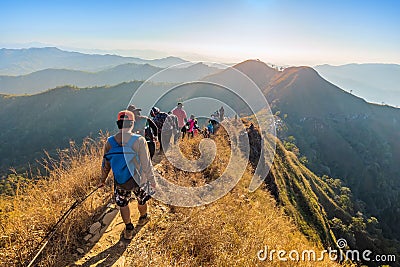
[190,150]
[228,232]
[31,213]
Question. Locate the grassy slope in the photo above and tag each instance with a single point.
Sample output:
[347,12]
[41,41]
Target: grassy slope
[227,232]
[343,136]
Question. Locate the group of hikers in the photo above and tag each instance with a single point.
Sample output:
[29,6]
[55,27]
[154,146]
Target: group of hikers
[163,126]
[129,152]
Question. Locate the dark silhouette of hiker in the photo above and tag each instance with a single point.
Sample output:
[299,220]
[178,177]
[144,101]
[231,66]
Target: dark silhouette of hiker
[145,127]
[175,126]
[221,114]
[164,126]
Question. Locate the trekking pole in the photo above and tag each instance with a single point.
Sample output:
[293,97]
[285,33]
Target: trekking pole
[53,230]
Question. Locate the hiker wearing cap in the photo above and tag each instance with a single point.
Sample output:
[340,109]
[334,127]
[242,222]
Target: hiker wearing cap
[127,155]
[145,127]
[180,113]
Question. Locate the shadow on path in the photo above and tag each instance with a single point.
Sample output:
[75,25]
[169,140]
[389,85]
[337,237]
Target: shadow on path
[109,256]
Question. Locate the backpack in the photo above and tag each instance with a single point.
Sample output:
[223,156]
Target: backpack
[159,120]
[173,119]
[122,159]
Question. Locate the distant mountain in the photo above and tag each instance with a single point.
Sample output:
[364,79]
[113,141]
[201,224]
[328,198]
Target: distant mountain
[375,83]
[259,72]
[235,80]
[49,120]
[343,136]
[25,61]
[340,135]
[50,78]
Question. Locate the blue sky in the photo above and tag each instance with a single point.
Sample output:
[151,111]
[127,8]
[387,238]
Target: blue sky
[277,31]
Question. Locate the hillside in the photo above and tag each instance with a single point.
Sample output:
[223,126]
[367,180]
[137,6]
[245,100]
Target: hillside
[42,80]
[375,83]
[229,231]
[25,61]
[51,119]
[259,72]
[351,144]
[343,136]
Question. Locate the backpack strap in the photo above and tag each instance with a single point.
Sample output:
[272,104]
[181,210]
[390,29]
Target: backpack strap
[132,140]
[136,161]
[112,141]
[114,144]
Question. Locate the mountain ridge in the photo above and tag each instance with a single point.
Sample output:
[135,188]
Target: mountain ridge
[50,78]
[28,60]
[375,82]
[338,134]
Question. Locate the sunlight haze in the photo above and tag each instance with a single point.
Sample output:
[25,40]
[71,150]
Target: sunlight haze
[280,32]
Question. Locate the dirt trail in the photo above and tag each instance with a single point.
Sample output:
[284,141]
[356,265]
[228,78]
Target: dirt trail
[112,249]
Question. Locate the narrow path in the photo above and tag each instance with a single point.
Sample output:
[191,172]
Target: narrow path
[104,245]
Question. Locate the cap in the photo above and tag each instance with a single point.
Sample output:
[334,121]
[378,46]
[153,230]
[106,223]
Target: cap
[133,108]
[125,115]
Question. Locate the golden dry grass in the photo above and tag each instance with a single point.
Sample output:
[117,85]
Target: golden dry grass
[228,232]
[30,214]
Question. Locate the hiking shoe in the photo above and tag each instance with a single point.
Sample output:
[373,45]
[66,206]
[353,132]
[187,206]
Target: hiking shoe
[128,233]
[143,219]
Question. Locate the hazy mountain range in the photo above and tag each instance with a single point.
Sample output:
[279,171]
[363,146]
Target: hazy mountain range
[377,83]
[50,78]
[25,61]
[340,134]
[33,70]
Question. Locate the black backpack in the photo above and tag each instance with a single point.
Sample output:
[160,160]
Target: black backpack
[159,120]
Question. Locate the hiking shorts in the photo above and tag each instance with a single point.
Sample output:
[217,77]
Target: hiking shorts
[123,193]
[122,196]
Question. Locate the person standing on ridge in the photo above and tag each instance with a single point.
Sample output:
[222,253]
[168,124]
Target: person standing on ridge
[210,127]
[127,155]
[180,113]
[221,113]
[175,126]
[164,127]
[192,126]
[145,127]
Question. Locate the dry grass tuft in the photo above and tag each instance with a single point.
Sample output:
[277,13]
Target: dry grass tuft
[26,217]
[228,232]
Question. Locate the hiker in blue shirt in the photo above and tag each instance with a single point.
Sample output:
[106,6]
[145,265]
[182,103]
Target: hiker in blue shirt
[210,127]
[127,155]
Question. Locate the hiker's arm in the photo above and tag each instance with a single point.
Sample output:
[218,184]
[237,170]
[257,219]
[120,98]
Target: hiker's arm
[144,157]
[185,117]
[105,166]
[152,126]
